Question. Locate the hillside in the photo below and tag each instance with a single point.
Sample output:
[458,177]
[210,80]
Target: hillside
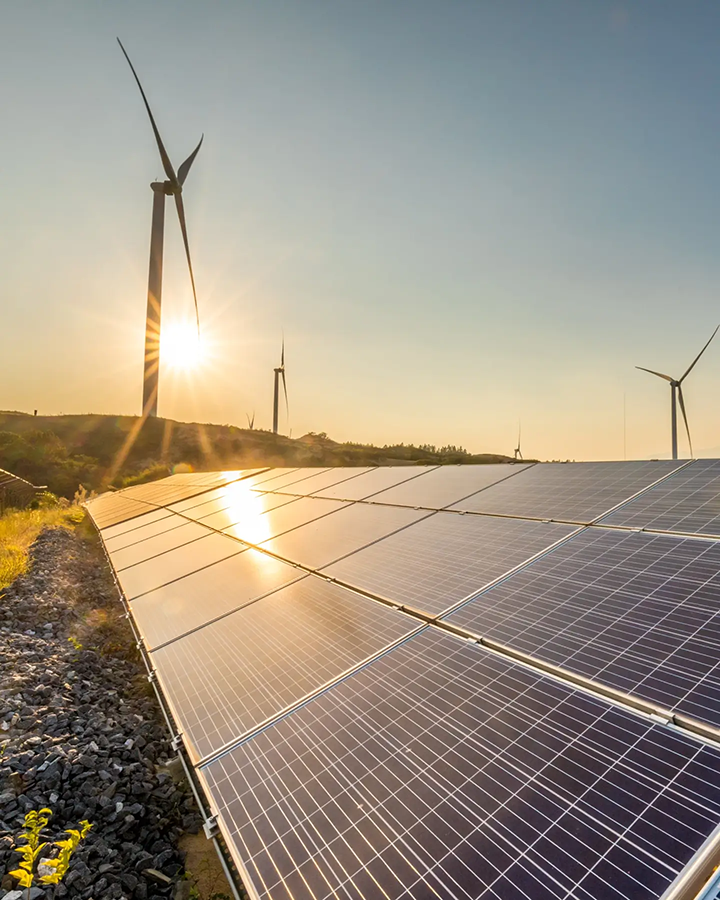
[97,450]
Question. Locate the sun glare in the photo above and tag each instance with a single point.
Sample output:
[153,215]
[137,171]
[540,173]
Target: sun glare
[180,345]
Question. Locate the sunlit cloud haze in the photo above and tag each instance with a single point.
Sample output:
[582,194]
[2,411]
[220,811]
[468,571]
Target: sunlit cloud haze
[461,214]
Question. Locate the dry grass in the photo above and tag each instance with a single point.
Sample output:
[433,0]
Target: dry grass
[18,530]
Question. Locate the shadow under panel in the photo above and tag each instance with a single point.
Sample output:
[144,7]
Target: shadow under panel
[227,678]
[441,770]
[637,612]
[443,559]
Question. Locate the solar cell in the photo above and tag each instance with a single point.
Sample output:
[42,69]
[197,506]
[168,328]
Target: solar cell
[162,569]
[190,602]
[283,518]
[635,611]
[573,492]
[228,677]
[331,537]
[159,543]
[444,485]
[688,502]
[445,558]
[440,770]
[372,482]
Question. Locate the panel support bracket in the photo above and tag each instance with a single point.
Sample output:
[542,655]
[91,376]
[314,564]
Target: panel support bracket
[210,827]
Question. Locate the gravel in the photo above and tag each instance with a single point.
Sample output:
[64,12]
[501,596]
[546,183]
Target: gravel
[82,731]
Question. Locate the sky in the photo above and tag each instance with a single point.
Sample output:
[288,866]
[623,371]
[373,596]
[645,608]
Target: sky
[462,214]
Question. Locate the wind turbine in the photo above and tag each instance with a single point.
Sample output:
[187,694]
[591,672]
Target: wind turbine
[518,454]
[677,394]
[251,421]
[171,188]
[279,371]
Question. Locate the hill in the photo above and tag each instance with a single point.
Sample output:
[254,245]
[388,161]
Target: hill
[98,450]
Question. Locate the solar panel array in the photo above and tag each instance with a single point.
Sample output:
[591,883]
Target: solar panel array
[494,681]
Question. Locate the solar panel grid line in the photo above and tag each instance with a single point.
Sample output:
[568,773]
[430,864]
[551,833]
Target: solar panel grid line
[287,792]
[431,615]
[674,591]
[289,708]
[642,491]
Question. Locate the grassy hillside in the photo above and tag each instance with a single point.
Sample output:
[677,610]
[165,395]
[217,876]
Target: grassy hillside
[64,451]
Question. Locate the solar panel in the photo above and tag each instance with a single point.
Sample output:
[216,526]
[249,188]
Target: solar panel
[228,677]
[445,558]
[292,476]
[141,532]
[688,502]
[444,485]
[162,569]
[268,476]
[439,770]
[312,480]
[216,590]
[107,511]
[155,515]
[324,540]
[282,519]
[137,552]
[638,612]
[372,482]
[573,492]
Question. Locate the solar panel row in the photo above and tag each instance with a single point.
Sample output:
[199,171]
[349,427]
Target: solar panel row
[351,750]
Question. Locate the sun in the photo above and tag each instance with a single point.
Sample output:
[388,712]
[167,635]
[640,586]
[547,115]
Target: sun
[180,345]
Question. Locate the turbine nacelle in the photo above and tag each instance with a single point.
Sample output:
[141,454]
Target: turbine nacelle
[676,394]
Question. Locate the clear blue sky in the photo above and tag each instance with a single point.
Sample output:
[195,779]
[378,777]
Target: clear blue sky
[461,213]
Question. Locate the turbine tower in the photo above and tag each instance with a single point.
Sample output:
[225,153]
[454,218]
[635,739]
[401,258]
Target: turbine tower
[279,371]
[171,188]
[677,394]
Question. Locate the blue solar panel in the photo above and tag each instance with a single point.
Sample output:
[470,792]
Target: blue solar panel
[440,770]
[635,611]
[688,502]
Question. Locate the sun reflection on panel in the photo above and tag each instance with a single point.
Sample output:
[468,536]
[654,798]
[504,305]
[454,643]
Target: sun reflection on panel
[247,509]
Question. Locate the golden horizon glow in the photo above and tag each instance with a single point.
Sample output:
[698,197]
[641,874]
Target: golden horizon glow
[180,346]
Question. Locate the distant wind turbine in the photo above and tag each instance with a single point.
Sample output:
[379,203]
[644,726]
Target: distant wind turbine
[251,420]
[518,454]
[279,371]
[677,394]
[171,188]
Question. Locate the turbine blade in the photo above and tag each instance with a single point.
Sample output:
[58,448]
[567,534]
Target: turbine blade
[282,354]
[687,427]
[287,407]
[182,172]
[699,355]
[183,228]
[167,165]
[659,374]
